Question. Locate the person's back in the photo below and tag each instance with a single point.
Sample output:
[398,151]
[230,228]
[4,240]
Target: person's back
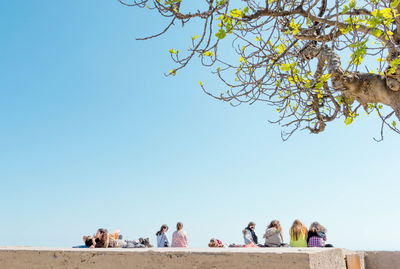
[300,241]
[273,234]
[179,238]
[316,239]
[316,235]
[162,239]
[298,234]
[273,237]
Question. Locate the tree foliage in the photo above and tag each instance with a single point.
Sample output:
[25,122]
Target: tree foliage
[288,56]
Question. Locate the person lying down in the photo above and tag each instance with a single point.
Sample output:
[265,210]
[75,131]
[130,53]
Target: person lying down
[103,239]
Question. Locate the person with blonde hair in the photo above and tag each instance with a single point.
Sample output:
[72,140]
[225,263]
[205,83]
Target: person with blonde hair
[273,234]
[179,237]
[298,234]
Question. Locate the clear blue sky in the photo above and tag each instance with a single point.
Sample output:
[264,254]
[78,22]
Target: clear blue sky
[93,135]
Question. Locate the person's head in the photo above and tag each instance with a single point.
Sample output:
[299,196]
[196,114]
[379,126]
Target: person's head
[102,235]
[100,232]
[251,225]
[163,229]
[297,228]
[213,243]
[179,226]
[316,227]
[275,224]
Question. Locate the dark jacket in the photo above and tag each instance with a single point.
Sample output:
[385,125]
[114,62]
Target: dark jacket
[319,234]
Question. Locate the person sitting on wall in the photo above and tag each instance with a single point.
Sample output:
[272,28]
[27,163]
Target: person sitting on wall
[179,237]
[249,235]
[298,234]
[162,238]
[273,235]
[317,236]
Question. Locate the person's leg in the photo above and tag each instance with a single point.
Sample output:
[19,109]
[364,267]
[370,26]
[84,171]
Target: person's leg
[130,244]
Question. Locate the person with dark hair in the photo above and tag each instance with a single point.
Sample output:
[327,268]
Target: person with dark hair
[102,238]
[249,235]
[162,239]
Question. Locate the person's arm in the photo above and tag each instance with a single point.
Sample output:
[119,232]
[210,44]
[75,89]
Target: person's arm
[93,243]
[107,241]
[173,240]
[166,240]
[185,237]
[248,238]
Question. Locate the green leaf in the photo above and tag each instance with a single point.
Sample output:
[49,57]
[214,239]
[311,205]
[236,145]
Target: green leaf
[221,34]
[173,72]
[235,13]
[285,67]
[220,3]
[395,3]
[348,120]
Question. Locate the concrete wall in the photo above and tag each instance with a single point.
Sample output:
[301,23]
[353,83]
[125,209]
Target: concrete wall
[268,258]
[382,259]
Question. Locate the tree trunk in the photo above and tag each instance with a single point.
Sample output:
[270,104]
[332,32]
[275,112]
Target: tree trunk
[363,87]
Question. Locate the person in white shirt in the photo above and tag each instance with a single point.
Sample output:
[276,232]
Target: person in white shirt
[249,235]
[162,239]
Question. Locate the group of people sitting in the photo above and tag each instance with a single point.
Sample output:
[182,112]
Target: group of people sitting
[179,237]
[104,239]
[300,236]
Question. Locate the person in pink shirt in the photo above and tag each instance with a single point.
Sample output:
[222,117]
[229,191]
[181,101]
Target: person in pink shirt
[179,238]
